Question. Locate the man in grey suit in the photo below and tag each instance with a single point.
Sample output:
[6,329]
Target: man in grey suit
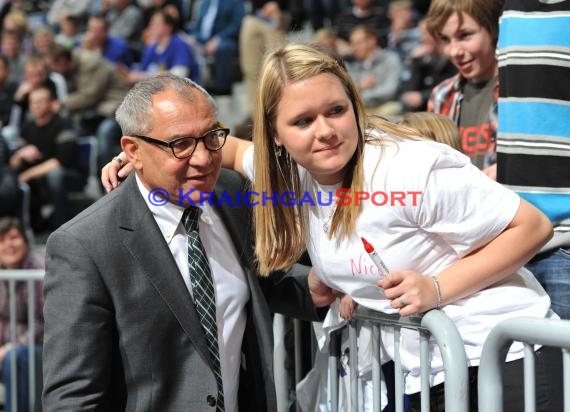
[121,328]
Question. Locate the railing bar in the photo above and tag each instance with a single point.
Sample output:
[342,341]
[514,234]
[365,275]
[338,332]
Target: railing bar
[23,274]
[376,368]
[548,332]
[390,319]
[529,381]
[353,362]
[454,359]
[334,358]
[398,373]
[14,343]
[424,371]
[32,343]
[566,380]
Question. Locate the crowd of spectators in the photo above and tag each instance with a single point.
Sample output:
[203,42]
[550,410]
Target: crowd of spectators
[65,65]
[88,53]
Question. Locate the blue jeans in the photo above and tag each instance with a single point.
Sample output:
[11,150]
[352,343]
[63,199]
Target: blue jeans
[60,182]
[223,68]
[108,140]
[552,269]
[23,398]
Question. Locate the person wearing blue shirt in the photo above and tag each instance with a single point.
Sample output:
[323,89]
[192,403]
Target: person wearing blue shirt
[167,51]
[97,39]
[217,32]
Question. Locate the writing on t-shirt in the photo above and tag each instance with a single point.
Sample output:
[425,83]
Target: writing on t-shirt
[363,266]
[477,142]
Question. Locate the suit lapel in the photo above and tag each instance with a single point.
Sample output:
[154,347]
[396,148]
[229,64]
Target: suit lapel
[143,239]
[258,340]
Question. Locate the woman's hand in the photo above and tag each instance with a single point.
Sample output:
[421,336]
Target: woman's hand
[347,306]
[115,171]
[409,291]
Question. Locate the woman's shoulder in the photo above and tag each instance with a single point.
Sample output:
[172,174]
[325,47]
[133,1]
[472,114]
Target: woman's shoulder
[422,149]
[410,158]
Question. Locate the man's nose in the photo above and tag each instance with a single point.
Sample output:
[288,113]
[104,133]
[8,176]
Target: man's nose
[202,155]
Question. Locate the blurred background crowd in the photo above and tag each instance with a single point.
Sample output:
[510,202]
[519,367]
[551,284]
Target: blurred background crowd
[65,65]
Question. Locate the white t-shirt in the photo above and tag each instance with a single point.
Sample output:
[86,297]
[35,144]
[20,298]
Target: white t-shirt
[459,210]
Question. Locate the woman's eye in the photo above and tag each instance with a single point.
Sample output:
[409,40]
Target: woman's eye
[337,110]
[303,122]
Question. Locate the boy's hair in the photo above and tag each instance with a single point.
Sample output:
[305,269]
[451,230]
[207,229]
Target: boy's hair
[485,12]
[58,52]
[400,4]
[51,91]
[368,31]
[167,17]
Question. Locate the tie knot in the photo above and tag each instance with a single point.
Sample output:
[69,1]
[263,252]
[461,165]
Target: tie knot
[190,218]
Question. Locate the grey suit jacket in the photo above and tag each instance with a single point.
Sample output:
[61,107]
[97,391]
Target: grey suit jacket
[121,331]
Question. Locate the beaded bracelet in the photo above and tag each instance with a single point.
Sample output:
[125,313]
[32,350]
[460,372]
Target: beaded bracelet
[438,290]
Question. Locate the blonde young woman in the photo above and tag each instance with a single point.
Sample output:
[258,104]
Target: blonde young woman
[450,246]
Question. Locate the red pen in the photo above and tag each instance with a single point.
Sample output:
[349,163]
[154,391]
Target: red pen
[375,258]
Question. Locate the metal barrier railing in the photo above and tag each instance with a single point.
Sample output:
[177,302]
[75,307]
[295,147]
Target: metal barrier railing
[433,323]
[530,331]
[29,276]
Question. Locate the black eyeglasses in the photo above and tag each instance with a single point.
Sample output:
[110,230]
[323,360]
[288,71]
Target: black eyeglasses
[184,147]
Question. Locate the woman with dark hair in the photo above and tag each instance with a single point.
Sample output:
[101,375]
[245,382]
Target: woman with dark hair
[15,253]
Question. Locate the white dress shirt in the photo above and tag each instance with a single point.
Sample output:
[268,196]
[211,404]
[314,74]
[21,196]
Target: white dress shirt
[232,292]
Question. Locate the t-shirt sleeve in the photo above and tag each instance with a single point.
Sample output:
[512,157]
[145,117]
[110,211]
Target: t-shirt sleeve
[247,162]
[463,206]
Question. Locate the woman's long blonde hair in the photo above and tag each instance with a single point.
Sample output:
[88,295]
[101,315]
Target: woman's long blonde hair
[280,231]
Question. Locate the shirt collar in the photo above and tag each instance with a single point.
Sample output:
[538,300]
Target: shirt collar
[169,216]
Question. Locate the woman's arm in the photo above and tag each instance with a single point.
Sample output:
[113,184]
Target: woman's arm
[232,158]
[233,152]
[529,230]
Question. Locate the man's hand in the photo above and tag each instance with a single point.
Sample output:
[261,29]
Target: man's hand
[322,294]
[30,153]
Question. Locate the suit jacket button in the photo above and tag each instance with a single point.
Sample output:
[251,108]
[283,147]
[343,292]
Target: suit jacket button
[211,400]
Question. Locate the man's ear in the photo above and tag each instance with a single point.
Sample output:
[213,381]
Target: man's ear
[131,147]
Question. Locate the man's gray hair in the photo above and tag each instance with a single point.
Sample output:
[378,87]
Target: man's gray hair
[134,112]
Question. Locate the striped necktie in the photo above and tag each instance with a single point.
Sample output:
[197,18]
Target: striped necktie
[204,293]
